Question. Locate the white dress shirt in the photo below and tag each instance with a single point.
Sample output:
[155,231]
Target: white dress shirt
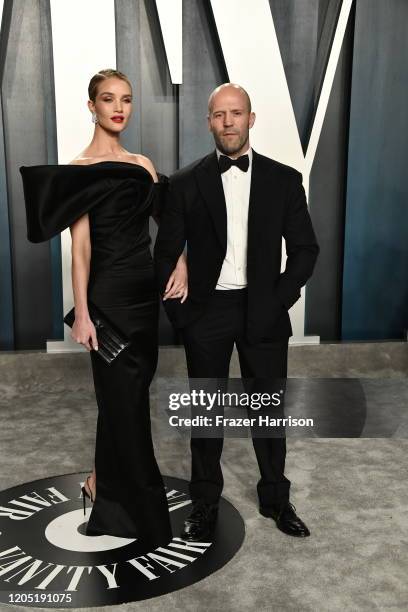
[236,184]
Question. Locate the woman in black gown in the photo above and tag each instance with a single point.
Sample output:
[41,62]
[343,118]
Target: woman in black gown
[106,196]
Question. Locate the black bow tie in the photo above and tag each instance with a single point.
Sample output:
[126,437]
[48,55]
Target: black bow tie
[225,163]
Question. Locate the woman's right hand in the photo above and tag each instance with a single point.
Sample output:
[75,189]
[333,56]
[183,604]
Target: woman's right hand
[83,331]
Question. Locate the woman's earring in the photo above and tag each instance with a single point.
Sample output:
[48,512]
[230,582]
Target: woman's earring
[94,118]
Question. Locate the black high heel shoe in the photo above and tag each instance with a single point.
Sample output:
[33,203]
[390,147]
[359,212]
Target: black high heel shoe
[86,494]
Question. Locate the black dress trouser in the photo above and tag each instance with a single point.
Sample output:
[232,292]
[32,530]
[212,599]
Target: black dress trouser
[209,342]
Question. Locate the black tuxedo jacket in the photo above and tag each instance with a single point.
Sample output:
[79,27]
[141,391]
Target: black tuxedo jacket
[195,213]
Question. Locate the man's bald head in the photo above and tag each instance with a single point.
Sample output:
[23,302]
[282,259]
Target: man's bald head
[228,88]
[230,118]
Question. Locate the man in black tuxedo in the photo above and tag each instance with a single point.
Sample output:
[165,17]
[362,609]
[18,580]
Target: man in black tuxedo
[232,208]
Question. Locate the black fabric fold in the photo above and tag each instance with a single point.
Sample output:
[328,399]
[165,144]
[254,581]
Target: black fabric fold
[160,191]
[58,195]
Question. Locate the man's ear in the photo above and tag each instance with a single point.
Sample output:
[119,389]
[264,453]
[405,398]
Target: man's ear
[209,123]
[252,118]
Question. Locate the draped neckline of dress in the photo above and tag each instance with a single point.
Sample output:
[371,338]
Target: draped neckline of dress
[112,161]
[106,161]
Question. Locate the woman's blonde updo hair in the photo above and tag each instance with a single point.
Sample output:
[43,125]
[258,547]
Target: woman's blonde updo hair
[102,75]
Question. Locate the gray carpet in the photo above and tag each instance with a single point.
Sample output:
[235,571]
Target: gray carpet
[352,493]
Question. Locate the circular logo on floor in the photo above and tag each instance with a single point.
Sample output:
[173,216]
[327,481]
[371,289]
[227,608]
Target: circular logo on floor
[46,560]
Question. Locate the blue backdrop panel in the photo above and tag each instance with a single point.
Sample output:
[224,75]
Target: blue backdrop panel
[375,280]
[6,279]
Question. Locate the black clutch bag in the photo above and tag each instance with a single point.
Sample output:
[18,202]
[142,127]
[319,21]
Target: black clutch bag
[110,340]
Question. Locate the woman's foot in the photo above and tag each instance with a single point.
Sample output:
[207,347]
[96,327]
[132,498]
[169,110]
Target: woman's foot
[89,489]
[90,486]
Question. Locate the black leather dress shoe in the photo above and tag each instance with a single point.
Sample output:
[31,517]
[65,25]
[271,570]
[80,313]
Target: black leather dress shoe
[286,519]
[200,522]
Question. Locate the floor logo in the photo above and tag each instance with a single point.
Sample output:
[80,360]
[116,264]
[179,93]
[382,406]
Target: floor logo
[46,560]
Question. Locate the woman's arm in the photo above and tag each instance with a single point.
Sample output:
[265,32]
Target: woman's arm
[83,331]
[177,285]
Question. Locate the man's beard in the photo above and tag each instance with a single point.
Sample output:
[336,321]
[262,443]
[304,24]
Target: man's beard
[232,148]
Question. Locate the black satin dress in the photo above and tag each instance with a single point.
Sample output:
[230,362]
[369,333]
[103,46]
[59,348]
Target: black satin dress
[119,197]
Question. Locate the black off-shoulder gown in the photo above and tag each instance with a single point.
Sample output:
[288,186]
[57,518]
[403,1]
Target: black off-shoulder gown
[119,197]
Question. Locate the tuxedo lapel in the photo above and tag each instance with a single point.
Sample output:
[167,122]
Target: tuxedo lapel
[260,190]
[210,185]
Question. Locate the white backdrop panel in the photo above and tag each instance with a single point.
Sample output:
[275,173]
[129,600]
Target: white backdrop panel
[83,35]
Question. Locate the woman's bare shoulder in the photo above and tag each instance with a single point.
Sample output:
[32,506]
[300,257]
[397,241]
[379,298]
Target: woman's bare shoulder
[142,160]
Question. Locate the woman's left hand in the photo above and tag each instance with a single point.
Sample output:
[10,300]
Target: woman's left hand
[177,285]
